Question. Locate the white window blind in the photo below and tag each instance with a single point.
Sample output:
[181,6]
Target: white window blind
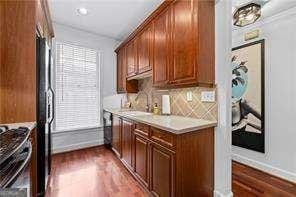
[77,87]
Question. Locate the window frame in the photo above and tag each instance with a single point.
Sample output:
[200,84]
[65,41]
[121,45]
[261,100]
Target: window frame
[99,84]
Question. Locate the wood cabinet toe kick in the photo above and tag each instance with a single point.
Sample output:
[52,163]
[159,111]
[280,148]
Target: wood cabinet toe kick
[165,163]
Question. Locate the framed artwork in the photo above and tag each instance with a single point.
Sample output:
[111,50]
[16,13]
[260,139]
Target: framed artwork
[248,96]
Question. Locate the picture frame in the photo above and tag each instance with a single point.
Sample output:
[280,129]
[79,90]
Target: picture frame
[248,96]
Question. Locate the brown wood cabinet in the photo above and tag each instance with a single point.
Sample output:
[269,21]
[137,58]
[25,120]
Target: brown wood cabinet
[144,47]
[116,138]
[141,158]
[182,50]
[161,49]
[165,163]
[183,67]
[121,81]
[162,171]
[124,86]
[18,21]
[131,56]
[127,143]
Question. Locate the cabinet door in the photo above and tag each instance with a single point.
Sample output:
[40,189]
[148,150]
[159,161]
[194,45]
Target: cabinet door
[141,159]
[183,69]
[116,138]
[127,140]
[161,46]
[131,54]
[144,50]
[162,171]
[121,62]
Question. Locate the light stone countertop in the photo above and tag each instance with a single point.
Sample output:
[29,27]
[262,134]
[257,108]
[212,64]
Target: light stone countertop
[29,125]
[172,123]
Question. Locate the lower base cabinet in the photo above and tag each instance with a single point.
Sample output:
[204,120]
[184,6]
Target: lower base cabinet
[116,135]
[168,164]
[141,159]
[162,171]
[127,145]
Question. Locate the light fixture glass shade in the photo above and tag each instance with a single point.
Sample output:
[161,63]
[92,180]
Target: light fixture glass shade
[82,11]
[247,15]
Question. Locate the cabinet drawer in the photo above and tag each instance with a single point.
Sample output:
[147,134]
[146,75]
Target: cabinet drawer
[163,137]
[142,129]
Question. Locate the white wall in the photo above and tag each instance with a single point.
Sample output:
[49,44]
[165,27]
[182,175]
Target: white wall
[103,44]
[65,141]
[223,80]
[280,96]
[74,140]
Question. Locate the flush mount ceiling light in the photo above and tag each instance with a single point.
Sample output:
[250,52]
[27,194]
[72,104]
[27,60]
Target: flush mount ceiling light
[82,11]
[247,14]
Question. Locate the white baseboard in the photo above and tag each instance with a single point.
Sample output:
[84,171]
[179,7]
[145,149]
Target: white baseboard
[266,168]
[219,194]
[77,146]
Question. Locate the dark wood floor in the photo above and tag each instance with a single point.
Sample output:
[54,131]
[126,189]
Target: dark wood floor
[96,172]
[93,172]
[250,182]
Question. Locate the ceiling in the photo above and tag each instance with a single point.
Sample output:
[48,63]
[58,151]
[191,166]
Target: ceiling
[112,18]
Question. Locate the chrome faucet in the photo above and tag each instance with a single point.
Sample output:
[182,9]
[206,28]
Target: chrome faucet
[147,108]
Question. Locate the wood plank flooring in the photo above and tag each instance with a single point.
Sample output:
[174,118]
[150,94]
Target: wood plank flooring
[250,182]
[96,172]
[93,172]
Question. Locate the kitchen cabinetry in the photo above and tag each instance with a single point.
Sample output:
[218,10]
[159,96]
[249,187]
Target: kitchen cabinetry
[141,158]
[181,44]
[162,171]
[161,49]
[183,67]
[121,82]
[131,55]
[116,132]
[144,47]
[166,163]
[124,86]
[127,145]
[18,21]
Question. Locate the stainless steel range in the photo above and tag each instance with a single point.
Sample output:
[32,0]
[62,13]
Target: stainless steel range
[15,154]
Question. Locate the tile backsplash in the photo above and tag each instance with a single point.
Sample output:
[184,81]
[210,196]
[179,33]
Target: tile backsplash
[179,104]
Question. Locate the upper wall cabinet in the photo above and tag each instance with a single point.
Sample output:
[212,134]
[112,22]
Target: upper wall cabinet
[144,47]
[177,41]
[161,49]
[131,55]
[124,86]
[183,66]
[121,82]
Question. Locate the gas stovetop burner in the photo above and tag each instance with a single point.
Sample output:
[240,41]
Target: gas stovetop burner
[12,141]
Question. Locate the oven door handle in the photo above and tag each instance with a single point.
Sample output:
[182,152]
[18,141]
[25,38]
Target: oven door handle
[21,168]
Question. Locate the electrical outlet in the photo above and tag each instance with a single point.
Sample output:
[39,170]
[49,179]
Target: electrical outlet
[208,96]
[189,96]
